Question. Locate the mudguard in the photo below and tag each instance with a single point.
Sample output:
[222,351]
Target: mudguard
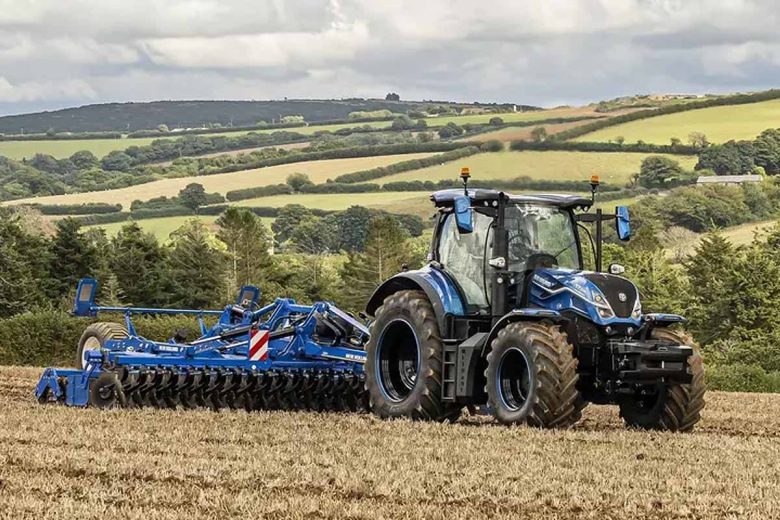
[441,291]
[522,315]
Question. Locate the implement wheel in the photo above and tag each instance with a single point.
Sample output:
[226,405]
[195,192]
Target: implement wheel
[668,407]
[404,362]
[95,337]
[532,376]
[106,392]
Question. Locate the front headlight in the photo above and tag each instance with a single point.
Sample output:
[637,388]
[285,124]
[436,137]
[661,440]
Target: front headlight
[637,312]
[606,312]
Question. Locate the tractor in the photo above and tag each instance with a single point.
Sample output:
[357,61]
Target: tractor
[505,318]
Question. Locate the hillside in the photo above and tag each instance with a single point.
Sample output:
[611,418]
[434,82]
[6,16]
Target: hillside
[719,124]
[123,117]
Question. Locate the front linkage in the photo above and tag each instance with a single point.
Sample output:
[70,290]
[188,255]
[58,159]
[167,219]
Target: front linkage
[281,356]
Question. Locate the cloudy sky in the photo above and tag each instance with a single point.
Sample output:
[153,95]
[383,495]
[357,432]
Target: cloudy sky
[57,53]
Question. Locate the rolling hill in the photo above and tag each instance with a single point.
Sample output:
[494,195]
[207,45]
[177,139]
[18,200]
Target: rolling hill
[719,124]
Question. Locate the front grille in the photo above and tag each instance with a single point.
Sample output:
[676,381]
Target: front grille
[612,286]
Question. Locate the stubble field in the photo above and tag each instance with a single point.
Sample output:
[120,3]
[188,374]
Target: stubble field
[57,462]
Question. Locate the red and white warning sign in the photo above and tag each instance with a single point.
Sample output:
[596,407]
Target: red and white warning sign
[258,345]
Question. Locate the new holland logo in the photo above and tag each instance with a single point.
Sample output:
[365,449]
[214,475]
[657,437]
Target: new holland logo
[622,297]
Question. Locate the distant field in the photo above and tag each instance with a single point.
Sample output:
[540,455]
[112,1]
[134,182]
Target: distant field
[511,117]
[719,124]
[163,227]
[336,201]
[101,147]
[63,148]
[614,168]
[516,133]
[318,172]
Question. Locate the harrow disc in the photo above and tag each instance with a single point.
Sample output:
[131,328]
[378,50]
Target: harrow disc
[106,392]
[217,388]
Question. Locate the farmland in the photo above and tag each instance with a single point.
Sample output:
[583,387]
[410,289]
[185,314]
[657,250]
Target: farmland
[614,168]
[318,172]
[60,462]
[719,124]
[163,227]
[100,147]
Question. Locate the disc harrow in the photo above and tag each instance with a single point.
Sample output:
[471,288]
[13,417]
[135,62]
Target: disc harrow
[216,389]
[283,356]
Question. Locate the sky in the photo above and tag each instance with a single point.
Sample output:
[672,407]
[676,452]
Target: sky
[60,53]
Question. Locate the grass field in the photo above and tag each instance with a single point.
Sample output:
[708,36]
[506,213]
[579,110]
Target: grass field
[318,172]
[719,124]
[58,462]
[614,168]
[336,201]
[163,227]
[515,133]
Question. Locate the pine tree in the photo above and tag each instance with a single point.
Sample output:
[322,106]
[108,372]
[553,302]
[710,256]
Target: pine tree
[196,267]
[138,264]
[248,243]
[23,266]
[71,257]
[386,252]
[710,271]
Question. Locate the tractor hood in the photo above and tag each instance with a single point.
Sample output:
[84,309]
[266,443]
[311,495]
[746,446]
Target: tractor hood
[603,298]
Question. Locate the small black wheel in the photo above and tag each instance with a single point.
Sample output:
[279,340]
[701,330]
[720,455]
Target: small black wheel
[106,392]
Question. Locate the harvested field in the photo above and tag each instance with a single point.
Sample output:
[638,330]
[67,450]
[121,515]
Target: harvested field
[318,172]
[57,462]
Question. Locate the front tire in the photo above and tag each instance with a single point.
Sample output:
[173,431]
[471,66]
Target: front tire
[404,360]
[532,376]
[668,407]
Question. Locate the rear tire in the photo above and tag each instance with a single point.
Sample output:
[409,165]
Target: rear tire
[404,360]
[669,407]
[532,376]
[95,337]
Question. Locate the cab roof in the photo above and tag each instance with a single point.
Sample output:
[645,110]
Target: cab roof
[444,198]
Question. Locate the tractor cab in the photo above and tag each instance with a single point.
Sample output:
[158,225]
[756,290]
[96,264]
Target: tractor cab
[506,304]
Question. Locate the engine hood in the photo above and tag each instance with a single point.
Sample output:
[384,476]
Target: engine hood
[602,297]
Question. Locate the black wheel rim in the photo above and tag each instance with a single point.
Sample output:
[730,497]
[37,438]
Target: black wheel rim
[398,360]
[513,380]
[646,397]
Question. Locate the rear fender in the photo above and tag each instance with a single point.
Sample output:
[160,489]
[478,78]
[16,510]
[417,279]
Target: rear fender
[440,290]
[523,315]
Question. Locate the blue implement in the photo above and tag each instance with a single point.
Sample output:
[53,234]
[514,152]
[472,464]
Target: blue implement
[279,356]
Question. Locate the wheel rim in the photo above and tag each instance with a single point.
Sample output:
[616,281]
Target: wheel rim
[398,360]
[646,397]
[513,381]
[91,343]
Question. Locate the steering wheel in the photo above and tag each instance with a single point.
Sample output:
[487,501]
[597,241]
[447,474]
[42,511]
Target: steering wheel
[541,260]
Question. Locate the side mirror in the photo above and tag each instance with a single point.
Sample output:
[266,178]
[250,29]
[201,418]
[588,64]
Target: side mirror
[463,217]
[623,223]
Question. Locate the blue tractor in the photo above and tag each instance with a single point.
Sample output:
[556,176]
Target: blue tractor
[505,317]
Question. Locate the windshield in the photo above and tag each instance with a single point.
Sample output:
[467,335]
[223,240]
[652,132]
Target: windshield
[540,236]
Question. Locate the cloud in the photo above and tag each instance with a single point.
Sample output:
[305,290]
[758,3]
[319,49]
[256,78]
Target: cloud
[543,52]
[72,89]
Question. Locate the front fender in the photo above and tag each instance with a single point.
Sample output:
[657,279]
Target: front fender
[440,290]
[522,315]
